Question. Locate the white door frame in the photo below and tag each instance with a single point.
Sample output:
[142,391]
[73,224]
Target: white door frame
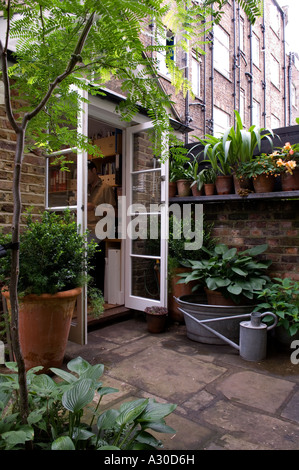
[131,301]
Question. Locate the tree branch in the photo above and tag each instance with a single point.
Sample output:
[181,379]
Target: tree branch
[75,58]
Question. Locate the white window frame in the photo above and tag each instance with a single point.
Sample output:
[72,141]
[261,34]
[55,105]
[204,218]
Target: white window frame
[275,122]
[255,50]
[275,71]
[242,105]
[221,51]
[221,121]
[164,40]
[256,113]
[195,78]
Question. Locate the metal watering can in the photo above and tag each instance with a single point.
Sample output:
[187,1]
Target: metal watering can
[253,334]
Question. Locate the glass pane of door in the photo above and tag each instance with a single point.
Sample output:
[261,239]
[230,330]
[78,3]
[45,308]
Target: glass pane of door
[146,246]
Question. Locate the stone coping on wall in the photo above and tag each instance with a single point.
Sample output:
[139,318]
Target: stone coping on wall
[236,197]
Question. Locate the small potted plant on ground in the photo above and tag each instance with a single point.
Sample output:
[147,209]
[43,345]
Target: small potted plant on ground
[287,161]
[156,318]
[54,258]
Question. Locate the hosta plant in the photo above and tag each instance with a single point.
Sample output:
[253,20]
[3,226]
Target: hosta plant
[65,413]
[236,274]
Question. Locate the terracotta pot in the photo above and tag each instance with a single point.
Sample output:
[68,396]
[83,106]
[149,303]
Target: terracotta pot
[196,191]
[209,189]
[172,188]
[224,184]
[290,182]
[183,187]
[177,290]
[156,323]
[264,183]
[241,184]
[44,325]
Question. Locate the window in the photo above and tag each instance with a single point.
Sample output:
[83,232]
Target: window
[293,96]
[165,55]
[196,76]
[275,122]
[256,113]
[242,106]
[255,50]
[221,51]
[275,71]
[275,19]
[241,32]
[221,121]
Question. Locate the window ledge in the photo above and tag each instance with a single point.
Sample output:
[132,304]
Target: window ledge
[236,197]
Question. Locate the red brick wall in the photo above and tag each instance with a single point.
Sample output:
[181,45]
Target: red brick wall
[246,224]
[32,178]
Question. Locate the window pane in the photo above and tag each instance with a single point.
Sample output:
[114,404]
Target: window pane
[145,278]
[221,51]
[62,185]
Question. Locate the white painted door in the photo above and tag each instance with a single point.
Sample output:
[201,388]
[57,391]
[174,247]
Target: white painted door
[69,190]
[146,228]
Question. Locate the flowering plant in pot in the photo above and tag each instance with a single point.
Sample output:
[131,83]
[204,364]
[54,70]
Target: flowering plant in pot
[54,260]
[263,171]
[287,162]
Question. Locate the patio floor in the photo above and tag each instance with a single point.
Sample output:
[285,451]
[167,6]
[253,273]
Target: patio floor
[223,402]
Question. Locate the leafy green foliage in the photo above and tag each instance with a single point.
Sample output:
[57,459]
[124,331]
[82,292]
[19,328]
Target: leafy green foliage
[282,298]
[234,274]
[65,415]
[53,255]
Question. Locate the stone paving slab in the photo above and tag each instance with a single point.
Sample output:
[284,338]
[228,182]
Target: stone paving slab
[166,373]
[252,426]
[256,390]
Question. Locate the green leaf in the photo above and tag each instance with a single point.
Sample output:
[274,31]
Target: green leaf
[107,419]
[70,378]
[156,411]
[76,398]
[256,250]
[63,443]
[234,289]
[131,410]
[239,271]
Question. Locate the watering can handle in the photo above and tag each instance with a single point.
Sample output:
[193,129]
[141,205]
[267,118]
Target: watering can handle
[272,315]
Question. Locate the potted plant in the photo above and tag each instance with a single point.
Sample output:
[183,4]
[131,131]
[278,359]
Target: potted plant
[178,254]
[53,258]
[282,298]
[156,318]
[181,173]
[196,185]
[207,178]
[229,282]
[263,171]
[287,161]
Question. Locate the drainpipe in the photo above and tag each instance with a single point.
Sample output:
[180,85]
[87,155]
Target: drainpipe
[250,76]
[235,56]
[204,87]
[290,87]
[264,83]
[187,114]
[284,66]
[211,121]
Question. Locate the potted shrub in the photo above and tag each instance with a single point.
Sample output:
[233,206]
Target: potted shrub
[156,318]
[229,282]
[282,298]
[53,258]
[207,178]
[196,185]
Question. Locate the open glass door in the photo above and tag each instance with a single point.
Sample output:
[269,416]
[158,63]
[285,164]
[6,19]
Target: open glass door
[147,221]
[68,189]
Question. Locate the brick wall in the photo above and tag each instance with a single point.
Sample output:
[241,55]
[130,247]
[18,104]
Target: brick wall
[32,178]
[245,224]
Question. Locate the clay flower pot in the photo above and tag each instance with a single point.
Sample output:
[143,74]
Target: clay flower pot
[172,188]
[44,325]
[183,187]
[290,182]
[209,189]
[156,318]
[264,183]
[224,184]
